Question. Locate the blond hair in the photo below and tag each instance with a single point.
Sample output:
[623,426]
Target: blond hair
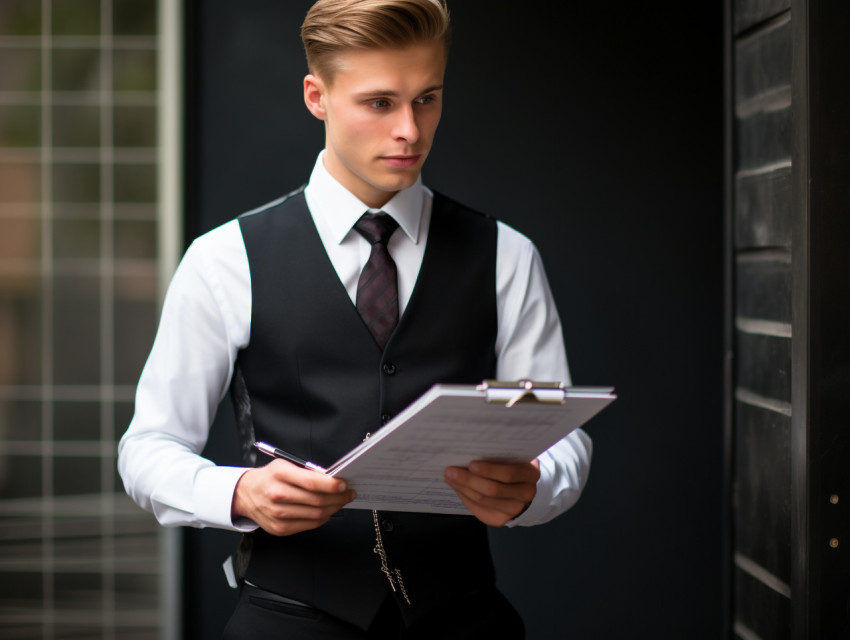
[334,26]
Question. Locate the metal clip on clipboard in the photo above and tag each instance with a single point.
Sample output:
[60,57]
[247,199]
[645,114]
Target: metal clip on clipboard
[510,393]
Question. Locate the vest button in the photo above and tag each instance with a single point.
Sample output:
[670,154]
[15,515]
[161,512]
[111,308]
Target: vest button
[385,418]
[388,368]
[387,525]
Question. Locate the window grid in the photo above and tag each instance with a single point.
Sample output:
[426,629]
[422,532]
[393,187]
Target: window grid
[77,558]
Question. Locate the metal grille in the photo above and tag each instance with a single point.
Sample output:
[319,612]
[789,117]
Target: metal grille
[79,229]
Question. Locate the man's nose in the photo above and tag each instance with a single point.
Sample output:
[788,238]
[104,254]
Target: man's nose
[405,126]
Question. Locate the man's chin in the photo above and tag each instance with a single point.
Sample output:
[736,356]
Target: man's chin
[399,179]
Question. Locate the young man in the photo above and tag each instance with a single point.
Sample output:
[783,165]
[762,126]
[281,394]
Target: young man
[270,306]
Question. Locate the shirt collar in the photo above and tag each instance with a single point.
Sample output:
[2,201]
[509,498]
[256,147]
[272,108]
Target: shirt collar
[339,209]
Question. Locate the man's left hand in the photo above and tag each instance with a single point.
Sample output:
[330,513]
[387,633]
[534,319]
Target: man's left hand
[495,492]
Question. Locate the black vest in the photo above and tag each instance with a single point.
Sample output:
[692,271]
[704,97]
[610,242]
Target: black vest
[313,381]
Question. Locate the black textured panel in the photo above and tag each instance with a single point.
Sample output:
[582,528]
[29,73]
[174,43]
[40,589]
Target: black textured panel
[762,610]
[763,210]
[748,13]
[763,63]
[764,365]
[763,289]
[763,138]
[762,488]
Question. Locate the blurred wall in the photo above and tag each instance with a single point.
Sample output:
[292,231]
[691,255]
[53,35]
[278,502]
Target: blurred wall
[79,253]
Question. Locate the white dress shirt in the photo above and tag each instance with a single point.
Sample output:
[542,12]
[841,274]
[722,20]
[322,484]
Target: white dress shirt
[206,320]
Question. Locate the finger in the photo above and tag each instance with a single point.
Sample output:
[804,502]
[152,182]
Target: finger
[288,518]
[507,472]
[488,509]
[308,479]
[279,492]
[300,512]
[289,527]
[490,516]
[510,506]
[283,481]
[479,487]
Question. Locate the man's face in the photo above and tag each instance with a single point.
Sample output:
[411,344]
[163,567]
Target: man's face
[381,111]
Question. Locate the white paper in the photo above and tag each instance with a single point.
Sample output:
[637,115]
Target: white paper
[400,468]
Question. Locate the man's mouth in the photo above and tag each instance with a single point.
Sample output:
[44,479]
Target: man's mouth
[402,161]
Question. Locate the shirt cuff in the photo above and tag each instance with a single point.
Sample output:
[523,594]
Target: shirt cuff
[539,508]
[213,498]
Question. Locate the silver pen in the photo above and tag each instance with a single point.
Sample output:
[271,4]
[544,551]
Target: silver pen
[274,452]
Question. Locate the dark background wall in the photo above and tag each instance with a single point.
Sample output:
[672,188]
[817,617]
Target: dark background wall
[600,135]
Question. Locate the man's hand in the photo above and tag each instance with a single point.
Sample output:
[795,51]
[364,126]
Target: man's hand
[495,492]
[283,498]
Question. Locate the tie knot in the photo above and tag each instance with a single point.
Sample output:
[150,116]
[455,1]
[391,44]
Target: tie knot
[376,227]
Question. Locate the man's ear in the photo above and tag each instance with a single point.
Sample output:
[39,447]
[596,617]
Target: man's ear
[314,95]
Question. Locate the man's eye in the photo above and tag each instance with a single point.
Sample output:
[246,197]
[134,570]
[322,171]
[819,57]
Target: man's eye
[425,99]
[379,104]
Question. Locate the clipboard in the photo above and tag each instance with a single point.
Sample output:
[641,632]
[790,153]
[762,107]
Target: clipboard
[400,467]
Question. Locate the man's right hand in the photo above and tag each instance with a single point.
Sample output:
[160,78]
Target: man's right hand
[283,498]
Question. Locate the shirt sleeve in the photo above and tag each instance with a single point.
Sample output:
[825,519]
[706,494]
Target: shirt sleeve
[204,322]
[530,345]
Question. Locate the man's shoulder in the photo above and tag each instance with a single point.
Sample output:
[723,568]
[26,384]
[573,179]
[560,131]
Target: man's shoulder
[227,238]
[459,216]
[442,202]
[505,231]
[273,205]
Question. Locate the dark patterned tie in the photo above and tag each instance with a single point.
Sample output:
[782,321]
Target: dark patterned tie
[377,289]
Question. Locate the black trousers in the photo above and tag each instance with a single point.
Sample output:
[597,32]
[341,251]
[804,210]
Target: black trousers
[482,615]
